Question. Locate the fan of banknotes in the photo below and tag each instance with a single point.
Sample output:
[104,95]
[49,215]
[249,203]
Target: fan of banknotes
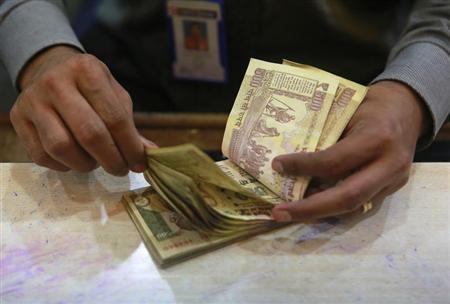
[195,205]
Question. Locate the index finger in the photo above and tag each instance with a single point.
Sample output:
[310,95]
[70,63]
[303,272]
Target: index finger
[90,132]
[343,198]
[114,106]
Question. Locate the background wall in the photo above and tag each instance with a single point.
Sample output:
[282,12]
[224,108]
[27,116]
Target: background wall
[7,92]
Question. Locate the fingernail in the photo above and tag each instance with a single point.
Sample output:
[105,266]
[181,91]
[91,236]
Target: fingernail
[147,143]
[278,166]
[281,216]
[138,168]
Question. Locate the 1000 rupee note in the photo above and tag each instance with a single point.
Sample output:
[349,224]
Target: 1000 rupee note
[348,97]
[279,109]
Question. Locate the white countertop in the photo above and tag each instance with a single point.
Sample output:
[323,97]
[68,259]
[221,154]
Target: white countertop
[65,238]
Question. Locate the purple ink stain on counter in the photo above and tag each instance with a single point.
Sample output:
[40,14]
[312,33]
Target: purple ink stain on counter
[314,230]
[9,291]
[23,264]
[390,260]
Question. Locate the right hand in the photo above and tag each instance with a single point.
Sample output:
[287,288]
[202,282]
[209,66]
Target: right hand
[73,114]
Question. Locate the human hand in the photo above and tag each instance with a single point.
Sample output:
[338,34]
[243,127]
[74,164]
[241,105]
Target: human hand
[73,114]
[373,158]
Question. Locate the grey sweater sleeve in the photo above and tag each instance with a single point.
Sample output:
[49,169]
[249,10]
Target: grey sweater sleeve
[28,27]
[421,60]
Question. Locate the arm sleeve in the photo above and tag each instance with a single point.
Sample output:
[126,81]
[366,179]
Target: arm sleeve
[28,27]
[421,60]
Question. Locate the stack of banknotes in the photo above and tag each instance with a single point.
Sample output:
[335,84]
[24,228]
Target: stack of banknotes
[195,205]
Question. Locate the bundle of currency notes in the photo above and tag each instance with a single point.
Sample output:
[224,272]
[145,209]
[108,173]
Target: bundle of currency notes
[195,205]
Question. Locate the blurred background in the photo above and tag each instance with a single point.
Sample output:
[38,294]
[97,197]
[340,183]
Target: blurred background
[7,92]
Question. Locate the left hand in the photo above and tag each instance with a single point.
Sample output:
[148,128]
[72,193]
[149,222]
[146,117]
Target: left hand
[373,157]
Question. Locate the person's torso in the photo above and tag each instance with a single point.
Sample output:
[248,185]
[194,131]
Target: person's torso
[348,37]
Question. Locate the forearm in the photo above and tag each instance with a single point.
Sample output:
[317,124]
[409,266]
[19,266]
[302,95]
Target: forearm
[29,27]
[421,61]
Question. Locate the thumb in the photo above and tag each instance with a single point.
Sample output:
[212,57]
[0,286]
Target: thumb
[299,163]
[139,168]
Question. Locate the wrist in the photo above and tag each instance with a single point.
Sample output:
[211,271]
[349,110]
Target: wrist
[414,106]
[42,61]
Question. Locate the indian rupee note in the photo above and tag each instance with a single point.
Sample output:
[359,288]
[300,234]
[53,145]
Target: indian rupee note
[169,237]
[348,97]
[279,109]
[184,173]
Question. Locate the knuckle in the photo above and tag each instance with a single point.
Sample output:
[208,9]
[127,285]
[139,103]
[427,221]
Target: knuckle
[30,104]
[14,114]
[90,134]
[90,69]
[350,200]
[116,119]
[93,80]
[402,162]
[25,98]
[385,134]
[50,80]
[127,101]
[104,68]
[58,147]
[83,63]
